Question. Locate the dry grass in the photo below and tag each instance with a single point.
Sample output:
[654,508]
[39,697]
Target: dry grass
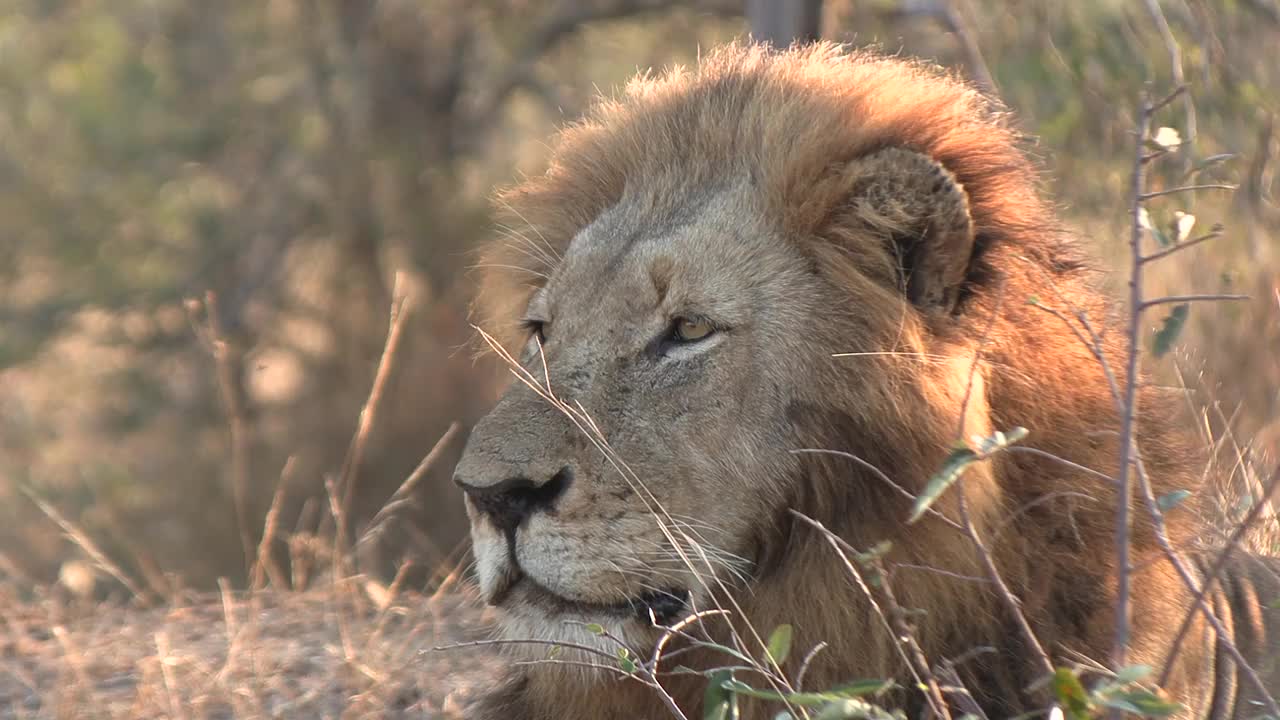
[333,651]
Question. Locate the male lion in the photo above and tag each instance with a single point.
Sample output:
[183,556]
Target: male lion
[812,249]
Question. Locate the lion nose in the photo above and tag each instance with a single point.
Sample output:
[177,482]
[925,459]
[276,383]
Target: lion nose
[512,501]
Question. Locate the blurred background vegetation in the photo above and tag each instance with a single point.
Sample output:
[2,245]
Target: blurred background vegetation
[287,158]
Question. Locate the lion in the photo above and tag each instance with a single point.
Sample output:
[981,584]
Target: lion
[778,287]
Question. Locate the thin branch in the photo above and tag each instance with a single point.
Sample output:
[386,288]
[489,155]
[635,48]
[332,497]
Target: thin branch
[1010,600]
[1175,68]
[1143,197]
[660,647]
[1216,232]
[1163,102]
[883,478]
[1178,299]
[1027,449]
[808,660]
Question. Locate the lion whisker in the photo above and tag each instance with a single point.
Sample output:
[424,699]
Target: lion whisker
[522,244]
[517,268]
[551,248]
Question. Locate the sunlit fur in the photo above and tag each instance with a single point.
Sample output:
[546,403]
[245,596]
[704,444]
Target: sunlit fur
[779,149]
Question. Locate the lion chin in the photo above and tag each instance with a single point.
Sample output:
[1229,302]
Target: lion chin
[768,293]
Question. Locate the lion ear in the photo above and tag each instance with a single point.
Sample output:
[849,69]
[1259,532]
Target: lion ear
[924,210]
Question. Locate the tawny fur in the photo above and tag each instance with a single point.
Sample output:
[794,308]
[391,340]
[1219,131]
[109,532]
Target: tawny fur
[809,128]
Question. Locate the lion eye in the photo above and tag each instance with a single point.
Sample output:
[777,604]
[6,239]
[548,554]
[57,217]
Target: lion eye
[691,329]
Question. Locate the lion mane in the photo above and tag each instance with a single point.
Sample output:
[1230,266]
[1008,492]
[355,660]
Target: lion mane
[1006,349]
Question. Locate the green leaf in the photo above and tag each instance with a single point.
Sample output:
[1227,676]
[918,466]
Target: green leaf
[1070,694]
[625,662]
[860,688]
[595,628]
[809,699]
[1166,503]
[1169,331]
[875,552]
[954,466]
[1000,440]
[717,702]
[853,709]
[1141,702]
[779,644]
[1134,673]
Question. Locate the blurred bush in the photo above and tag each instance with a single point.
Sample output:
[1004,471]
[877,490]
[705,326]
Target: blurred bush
[290,156]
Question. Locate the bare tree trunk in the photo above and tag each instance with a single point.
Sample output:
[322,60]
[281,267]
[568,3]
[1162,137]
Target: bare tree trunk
[783,22]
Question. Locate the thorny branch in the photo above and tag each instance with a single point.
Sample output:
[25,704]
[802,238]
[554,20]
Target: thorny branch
[1129,404]
[1130,457]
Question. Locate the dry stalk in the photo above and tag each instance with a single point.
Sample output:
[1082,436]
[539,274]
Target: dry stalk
[265,564]
[1224,636]
[609,663]
[1215,571]
[231,626]
[90,548]
[347,477]
[229,360]
[387,604]
[75,660]
[301,549]
[404,495]
[166,676]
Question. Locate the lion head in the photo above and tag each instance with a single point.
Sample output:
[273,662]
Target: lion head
[789,280]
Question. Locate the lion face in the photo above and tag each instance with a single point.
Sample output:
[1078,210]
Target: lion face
[620,481]
[697,254]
